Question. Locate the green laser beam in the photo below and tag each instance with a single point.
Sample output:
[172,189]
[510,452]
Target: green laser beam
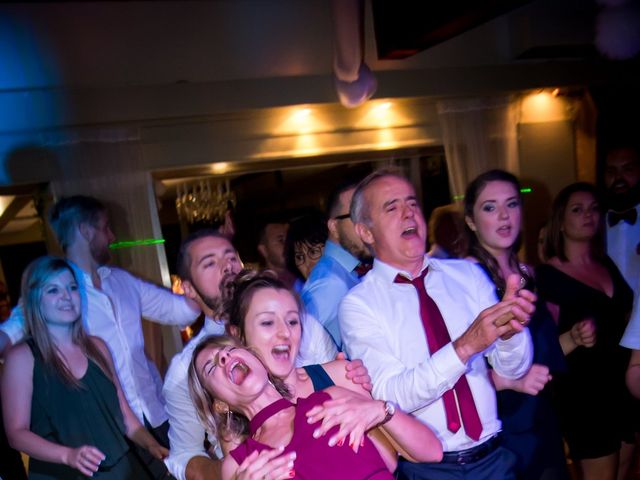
[136,243]
[522,190]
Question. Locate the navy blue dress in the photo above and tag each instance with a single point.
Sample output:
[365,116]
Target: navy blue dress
[529,423]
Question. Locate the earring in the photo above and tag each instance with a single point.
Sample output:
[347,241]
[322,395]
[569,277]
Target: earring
[228,421]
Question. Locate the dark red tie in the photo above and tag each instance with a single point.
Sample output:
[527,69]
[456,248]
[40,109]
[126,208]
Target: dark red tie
[438,337]
[362,269]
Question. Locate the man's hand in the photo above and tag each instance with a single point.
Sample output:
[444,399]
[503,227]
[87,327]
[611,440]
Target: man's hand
[356,372]
[503,320]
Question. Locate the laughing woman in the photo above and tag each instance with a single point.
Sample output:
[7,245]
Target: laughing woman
[266,316]
[235,395]
[62,402]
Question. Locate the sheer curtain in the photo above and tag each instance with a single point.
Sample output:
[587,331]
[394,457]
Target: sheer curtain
[113,172]
[478,134]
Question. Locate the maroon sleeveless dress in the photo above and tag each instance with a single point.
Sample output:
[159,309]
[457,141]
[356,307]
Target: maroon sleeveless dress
[315,459]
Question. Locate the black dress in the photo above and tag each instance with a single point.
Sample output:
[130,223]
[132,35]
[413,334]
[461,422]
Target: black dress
[594,405]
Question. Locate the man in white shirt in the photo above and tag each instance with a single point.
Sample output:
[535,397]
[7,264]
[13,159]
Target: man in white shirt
[113,304]
[204,259]
[381,320]
[622,180]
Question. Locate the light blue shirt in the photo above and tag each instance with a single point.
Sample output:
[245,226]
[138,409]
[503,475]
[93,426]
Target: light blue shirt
[329,281]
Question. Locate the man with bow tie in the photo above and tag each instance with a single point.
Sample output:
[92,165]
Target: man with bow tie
[622,180]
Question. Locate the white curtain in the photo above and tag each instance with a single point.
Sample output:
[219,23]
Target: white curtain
[478,134]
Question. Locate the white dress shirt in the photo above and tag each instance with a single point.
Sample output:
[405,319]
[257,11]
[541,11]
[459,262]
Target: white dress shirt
[186,433]
[623,246]
[380,323]
[316,345]
[631,337]
[114,314]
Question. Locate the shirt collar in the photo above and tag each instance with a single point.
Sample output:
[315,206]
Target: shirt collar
[389,273]
[340,255]
[103,272]
[211,326]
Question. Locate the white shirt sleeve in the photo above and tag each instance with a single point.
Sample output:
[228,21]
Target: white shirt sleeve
[161,305]
[631,337]
[316,345]
[186,433]
[14,326]
[411,388]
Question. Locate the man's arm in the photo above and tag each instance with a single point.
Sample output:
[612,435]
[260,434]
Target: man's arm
[203,468]
[161,305]
[365,337]
[12,330]
[187,458]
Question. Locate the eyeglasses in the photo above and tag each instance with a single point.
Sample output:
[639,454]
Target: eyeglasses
[342,217]
[313,252]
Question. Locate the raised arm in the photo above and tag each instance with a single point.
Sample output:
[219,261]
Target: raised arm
[17,389]
[161,305]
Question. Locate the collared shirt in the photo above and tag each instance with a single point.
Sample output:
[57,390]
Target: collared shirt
[380,323]
[329,281]
[623,246]
[114,314]
[186,433]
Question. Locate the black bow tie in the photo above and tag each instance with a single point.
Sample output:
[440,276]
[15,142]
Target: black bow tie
[630,216]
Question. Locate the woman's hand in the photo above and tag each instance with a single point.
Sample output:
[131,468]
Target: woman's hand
[533,381]
[158,451]
[267,465]
[354,414]
[86,459]
[583,333]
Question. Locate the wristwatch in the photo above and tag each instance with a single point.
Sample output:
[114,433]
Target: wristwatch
[389,411]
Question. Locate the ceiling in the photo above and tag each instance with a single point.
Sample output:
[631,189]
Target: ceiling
[89,63]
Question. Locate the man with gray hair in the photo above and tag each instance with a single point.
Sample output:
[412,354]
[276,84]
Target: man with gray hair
[422,326]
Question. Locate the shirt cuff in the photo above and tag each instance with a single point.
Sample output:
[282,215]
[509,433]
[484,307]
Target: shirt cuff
[447,364]
[177,464]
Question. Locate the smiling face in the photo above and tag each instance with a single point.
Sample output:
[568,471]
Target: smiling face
[396,229]
[272,328]
[232,375]
[496,216]
[581,217]
[622,171]
[60,299]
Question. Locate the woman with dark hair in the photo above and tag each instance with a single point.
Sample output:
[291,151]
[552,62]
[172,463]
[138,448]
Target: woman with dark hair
[305,241]
[590,301]
[62,402]
[493,211]
[235,395]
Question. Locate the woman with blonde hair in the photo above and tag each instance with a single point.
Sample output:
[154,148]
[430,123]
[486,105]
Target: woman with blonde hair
[62,402]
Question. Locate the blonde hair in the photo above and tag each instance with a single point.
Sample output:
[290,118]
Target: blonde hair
[228,425]
[34,279]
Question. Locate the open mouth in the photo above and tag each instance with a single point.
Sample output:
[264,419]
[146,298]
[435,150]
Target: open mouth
[504,231]
[409,232]
[238,372]
[281,352]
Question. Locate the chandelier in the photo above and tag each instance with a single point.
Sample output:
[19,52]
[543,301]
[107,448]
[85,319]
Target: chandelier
[204,201]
